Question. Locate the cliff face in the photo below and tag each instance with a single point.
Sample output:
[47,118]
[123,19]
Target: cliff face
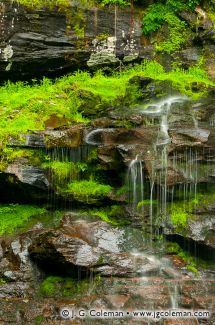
[43,41]
[38,42]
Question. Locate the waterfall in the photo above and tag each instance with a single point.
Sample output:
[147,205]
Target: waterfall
[135,171]
[135,183]
[95,137]
[187,165]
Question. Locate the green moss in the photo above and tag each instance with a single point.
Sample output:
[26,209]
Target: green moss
[61,169]
[13,216]
[2,281]
[122,3]
[65,171]
[9,155]
[65,4]
[191,261]
[113,215]
[179,216]
[203,200]
[102,36]
[55,286]
[38,320]
[50,286]
[122,190]
[146,202]
[88,189]
[50,4]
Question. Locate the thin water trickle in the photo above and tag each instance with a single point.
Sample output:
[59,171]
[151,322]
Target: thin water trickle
[174,295]
[62,165]
[135,183]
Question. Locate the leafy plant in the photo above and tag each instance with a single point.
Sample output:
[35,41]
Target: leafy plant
[159,14]
[177,34]
[154,17]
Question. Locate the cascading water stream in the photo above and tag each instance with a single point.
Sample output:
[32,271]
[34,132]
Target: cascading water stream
[161,111]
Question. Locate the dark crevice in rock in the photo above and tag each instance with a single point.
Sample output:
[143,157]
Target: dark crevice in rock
[14,191]
[197,249]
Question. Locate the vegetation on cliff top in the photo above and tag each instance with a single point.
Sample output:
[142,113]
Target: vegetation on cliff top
[62,4]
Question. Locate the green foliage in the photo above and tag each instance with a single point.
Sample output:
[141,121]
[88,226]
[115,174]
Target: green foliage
[115,2]
[51,4]
[64,4]
[177,34]
[88,189]
[13,216]
[154,17]
[38,320]
[2,281]
[159,14]
[146,202]
[9,155]
[50,286]
[61,169]
[156,14]
[179,215]
[55,286]
[192,4]
[113,215]
[191,262]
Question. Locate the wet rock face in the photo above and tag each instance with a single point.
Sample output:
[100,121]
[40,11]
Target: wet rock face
[77,247]
[200,229]
[30,175]
[88,246]
[16,269]
[38,42]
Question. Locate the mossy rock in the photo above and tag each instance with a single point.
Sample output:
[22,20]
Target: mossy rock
[92,105]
